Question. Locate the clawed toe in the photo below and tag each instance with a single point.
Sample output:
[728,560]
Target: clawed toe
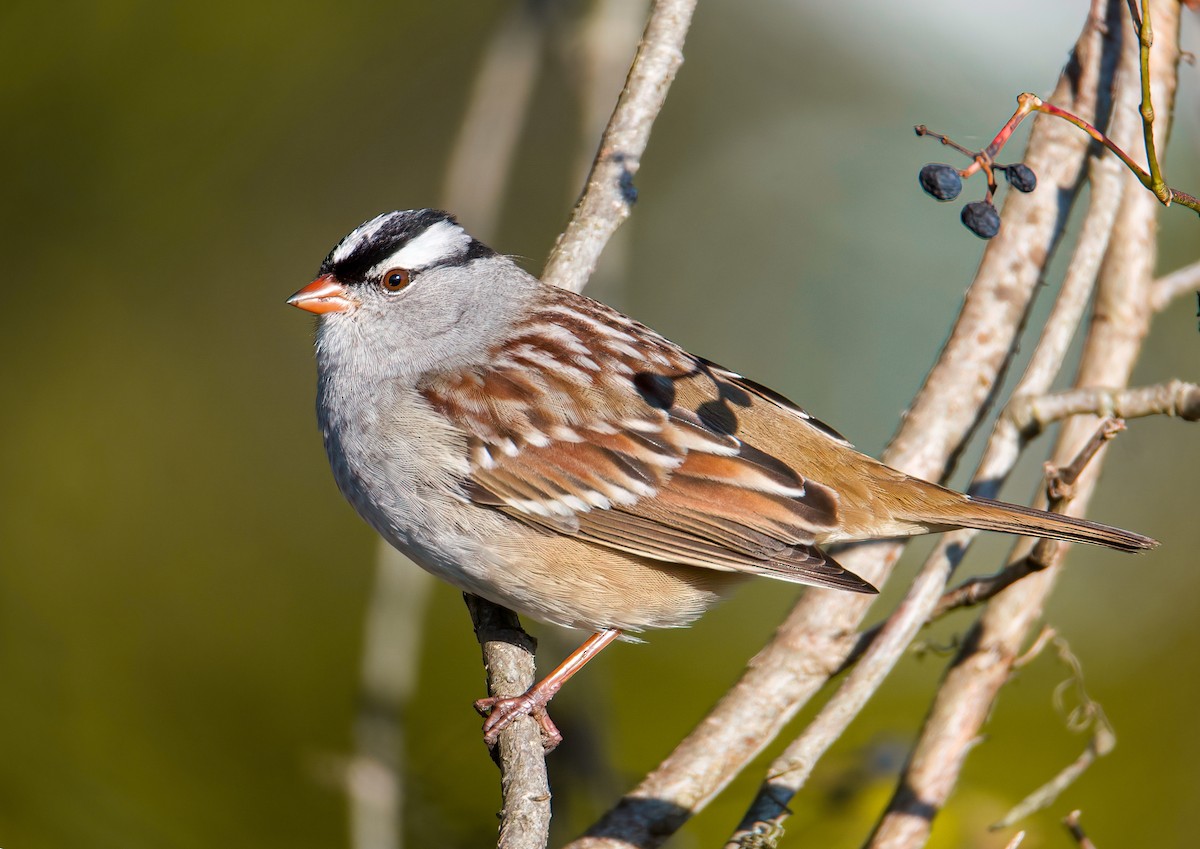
[501,712]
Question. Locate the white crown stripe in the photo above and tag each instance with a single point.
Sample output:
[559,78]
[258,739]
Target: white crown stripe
[358,237]
[440,242]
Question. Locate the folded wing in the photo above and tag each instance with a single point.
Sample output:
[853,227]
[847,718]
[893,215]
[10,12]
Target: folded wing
[574,430]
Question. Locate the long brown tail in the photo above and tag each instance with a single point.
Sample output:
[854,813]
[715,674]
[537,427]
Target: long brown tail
[989,515]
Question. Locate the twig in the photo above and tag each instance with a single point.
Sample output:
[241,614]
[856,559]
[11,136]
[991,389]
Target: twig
[1032,415]
[811,643]
[1151,179]
[609,195]
[596,56]
[508,656]
[1143,25]
[1028,103]
[508,650]
[1061,480]
[1060,488]
[1043,639]
[1169,287]
[1101,743]
[1049,792]
[474,188]
[969,593]
[478,169]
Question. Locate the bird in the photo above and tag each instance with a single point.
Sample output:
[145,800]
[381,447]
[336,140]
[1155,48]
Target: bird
[541,450]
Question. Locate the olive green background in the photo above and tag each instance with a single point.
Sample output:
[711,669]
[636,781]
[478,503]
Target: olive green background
[182,590]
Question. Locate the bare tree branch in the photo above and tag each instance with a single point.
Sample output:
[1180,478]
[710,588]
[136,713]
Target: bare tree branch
[1028,412]
[1179,282]
[475,180]
[507,649]
[788,773]
[609,195]
[884,647]
[596,56]
[1121,320]
[508,656]
[1173,398]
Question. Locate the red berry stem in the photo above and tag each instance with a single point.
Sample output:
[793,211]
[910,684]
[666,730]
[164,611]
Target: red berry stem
[1027,104]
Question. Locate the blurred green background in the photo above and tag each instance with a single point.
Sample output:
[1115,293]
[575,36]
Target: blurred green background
[183,590]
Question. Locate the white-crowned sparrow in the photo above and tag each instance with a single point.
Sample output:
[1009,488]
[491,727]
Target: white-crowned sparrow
[541,450]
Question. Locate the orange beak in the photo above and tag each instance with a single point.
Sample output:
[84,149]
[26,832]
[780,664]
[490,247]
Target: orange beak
[325,294]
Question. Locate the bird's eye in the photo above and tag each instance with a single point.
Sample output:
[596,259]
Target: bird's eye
[395,279]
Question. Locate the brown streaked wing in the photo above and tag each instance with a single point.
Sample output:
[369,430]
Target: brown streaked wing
[591,425]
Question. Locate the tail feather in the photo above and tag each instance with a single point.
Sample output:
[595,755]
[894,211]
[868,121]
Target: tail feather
[1017,519]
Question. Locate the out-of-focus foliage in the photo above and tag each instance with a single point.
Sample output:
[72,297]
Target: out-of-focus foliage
[182,588]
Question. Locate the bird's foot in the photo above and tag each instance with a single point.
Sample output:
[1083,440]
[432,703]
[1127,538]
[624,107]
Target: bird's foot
[500,712]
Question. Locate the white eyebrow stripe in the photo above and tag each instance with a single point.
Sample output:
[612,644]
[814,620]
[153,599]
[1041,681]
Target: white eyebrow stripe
[359,236]
[440,242]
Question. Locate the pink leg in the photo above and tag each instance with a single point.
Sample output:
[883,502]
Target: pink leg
[500,712]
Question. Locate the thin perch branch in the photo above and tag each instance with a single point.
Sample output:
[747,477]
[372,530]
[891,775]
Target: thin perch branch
[507,649]
[474,189]
[609,195]
[508,658]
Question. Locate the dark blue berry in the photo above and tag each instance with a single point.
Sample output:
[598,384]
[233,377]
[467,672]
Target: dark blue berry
[940,181]
[981,218]
[1021,177]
